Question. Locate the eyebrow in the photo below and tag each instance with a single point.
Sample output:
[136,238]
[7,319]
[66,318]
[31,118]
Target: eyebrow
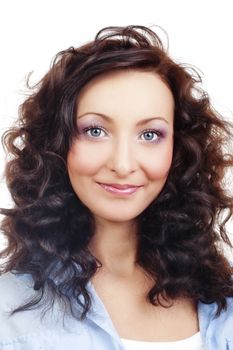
[141,122]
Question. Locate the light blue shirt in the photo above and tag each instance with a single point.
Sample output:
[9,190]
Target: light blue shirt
[26,330]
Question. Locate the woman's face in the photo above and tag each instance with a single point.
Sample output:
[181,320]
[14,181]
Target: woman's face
[125,137]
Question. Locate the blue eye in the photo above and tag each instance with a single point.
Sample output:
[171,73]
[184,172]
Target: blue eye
[152,135]
[94,131]
[98,132]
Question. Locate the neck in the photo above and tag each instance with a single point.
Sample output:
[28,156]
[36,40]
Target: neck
[115,246]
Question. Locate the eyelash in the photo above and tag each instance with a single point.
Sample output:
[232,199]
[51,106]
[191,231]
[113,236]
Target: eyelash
[159,133]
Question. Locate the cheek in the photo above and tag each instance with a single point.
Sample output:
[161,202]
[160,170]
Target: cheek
[158,166]
[80,159]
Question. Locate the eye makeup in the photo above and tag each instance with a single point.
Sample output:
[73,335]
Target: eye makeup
[160,134]
[85,129]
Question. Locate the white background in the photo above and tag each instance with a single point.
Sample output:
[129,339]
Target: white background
[32,32]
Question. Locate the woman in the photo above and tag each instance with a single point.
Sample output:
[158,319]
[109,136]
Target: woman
[117,169]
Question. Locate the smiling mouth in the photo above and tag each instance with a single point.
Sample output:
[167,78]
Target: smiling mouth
[120,190]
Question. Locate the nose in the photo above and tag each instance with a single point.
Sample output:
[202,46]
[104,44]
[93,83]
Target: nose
[123,160]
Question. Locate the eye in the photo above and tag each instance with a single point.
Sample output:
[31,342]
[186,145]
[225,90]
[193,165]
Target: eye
[95,131]
[152,135]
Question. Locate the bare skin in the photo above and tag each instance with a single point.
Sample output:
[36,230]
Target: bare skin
[122,286]
[135,318]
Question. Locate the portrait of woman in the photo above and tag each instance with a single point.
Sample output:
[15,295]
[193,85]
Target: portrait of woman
[116,168]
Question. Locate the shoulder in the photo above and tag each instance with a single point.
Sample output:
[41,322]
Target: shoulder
[34,329]
[31,327]
[15,290]
[216,329]
[11,278]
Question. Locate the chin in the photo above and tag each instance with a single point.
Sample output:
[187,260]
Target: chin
[118,217]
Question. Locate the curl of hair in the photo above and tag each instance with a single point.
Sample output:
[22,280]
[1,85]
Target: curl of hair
[48,229]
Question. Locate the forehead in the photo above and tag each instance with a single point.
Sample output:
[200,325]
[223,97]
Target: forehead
[126,93]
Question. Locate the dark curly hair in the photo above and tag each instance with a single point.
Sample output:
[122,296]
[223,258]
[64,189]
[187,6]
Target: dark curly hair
[180,234]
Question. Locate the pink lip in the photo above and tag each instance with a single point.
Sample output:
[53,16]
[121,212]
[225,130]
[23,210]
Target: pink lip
[119,189]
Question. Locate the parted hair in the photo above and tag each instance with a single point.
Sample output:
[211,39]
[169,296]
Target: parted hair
[180,234]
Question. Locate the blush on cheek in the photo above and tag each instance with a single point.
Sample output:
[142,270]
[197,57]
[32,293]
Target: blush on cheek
[84,160]
[160,167]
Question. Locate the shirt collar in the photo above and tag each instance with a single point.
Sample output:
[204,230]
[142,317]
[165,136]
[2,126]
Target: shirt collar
[98,313]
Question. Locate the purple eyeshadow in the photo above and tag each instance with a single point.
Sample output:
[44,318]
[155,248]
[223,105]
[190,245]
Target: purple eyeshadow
[162,132]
